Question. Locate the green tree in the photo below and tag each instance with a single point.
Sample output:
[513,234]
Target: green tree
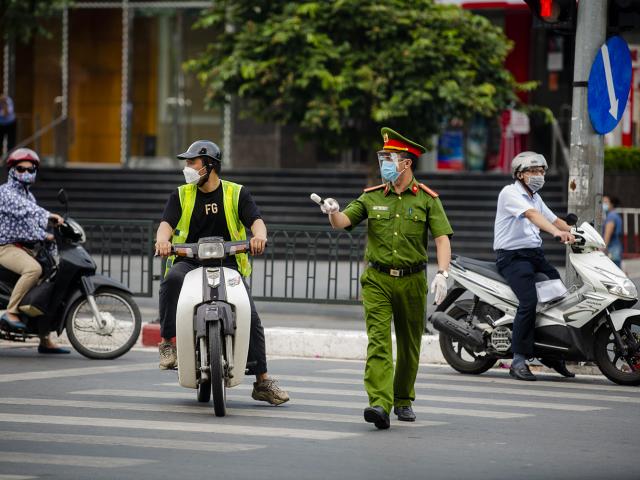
[341,69]
[21,19]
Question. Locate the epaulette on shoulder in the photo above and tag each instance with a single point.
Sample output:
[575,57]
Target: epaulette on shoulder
[377,187]
[428,190]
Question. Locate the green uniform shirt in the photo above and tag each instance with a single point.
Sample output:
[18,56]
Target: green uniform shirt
[397,224]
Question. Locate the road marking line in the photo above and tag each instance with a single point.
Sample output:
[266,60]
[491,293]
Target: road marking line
[75,372]
[171,444]
[432,398]
[202,409]
[315,403]
[71,460]
[15,477]
[502,379]
[306,434]
[490,402]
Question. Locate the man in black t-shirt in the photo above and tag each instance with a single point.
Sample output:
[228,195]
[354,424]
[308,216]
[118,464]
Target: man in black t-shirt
[207,207]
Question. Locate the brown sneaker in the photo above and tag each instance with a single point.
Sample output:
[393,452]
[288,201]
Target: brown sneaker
[269,391]
[168,357]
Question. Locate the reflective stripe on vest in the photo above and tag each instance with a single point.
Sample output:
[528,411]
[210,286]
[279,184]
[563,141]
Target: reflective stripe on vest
[231,196]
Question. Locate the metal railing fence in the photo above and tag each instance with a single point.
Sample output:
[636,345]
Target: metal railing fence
[123,250]
[301,264]
[630,231]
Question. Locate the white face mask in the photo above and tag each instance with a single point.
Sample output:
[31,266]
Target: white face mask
[191,175]
[535,182]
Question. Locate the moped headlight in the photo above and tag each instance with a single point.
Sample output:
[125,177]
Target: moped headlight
[626,289]
[211,250]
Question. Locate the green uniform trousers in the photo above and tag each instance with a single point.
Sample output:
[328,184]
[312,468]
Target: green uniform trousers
[402,298]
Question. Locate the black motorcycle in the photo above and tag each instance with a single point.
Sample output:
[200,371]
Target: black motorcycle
[99,314]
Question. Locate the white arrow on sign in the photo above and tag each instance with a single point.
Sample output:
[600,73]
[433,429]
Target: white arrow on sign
[613,101]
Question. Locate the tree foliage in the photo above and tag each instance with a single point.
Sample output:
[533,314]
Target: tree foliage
[22,19]
[340,69]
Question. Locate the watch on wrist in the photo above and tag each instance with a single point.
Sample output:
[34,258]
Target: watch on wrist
[444,273]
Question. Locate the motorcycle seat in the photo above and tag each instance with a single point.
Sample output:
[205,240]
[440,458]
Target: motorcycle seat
[487,269]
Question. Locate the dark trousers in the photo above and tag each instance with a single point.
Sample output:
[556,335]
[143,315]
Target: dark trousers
[169,293]
[9,131]
[519,268]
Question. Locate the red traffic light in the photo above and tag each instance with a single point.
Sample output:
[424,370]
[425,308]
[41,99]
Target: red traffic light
[546,8]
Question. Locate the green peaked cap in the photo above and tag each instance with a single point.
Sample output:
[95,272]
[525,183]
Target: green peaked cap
[394,141]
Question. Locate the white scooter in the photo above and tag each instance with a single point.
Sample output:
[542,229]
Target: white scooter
[213,320]
[593,322]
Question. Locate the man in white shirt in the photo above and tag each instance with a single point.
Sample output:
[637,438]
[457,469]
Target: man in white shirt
[520,216]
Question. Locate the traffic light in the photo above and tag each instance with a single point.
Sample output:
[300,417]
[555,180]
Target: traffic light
[558,15]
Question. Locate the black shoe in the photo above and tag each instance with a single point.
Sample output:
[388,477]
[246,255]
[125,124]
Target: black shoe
[405,414]
[11,325]
[559,366]
[378,417]
[522,372]
[55,350]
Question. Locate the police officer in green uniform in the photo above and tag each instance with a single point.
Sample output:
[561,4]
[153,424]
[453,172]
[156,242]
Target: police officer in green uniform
[399,213]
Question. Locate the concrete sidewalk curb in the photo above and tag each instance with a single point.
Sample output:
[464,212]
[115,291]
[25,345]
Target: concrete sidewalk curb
[314,343]
[342,345]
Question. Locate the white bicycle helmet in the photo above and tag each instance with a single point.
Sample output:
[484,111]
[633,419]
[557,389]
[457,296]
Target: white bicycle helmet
[526,160]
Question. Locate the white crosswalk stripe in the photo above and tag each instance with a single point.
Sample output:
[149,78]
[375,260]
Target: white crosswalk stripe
[495,378]
[325,405]
[313,402]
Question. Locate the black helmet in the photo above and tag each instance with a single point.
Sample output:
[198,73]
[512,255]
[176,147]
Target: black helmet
[202,148]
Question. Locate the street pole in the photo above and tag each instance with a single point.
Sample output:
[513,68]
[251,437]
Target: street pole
[586,158]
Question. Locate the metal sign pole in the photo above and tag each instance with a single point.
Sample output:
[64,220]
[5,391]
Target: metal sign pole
[586,162]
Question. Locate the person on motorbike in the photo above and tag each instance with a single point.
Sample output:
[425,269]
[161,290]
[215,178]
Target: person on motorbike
[520,216]
[23,222]
[206,207]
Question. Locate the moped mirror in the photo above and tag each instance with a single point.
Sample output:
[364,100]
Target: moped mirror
[571,219]
[63,199]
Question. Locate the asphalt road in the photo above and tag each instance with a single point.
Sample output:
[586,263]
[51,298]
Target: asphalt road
[69,417]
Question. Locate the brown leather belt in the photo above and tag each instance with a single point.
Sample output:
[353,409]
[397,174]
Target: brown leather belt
[398,272]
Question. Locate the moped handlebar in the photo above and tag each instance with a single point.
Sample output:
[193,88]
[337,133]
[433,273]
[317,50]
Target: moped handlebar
[207,249]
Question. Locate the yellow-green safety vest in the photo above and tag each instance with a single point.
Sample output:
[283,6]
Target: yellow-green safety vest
[231,195]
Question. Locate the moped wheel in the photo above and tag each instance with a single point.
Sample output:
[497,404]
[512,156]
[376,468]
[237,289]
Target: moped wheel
[610,361]
[115,336]
[204,388]
[460,357]
[216,364]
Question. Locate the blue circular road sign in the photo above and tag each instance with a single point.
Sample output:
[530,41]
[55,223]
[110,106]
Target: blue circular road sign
[609,84]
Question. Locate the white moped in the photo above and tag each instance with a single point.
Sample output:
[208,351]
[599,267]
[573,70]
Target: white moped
[591,322]
[213,321]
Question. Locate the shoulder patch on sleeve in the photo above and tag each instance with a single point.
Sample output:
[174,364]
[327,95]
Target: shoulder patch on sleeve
[429,191]
[372,189]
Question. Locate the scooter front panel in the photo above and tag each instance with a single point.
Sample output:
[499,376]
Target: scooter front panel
[190,295]
[238,297]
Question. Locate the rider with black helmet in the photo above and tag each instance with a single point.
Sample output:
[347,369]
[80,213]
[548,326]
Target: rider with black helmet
[207,206]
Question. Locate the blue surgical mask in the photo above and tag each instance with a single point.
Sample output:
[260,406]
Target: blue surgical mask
[605,207]
[535,182]
[25,178]
[388,171]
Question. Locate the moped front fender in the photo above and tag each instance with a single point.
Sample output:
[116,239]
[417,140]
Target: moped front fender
[619,317]
[88,285]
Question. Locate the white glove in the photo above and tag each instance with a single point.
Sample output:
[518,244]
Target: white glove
[439,288]
[330,206]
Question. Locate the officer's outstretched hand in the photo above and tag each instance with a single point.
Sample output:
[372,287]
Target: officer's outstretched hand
[258,245]
[163,248]
[330,206]
[439,288]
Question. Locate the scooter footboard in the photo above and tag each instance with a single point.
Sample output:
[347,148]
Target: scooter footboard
[238,297]
[190,295]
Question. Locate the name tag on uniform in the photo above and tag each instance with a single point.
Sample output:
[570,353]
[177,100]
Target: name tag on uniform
[380,208]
